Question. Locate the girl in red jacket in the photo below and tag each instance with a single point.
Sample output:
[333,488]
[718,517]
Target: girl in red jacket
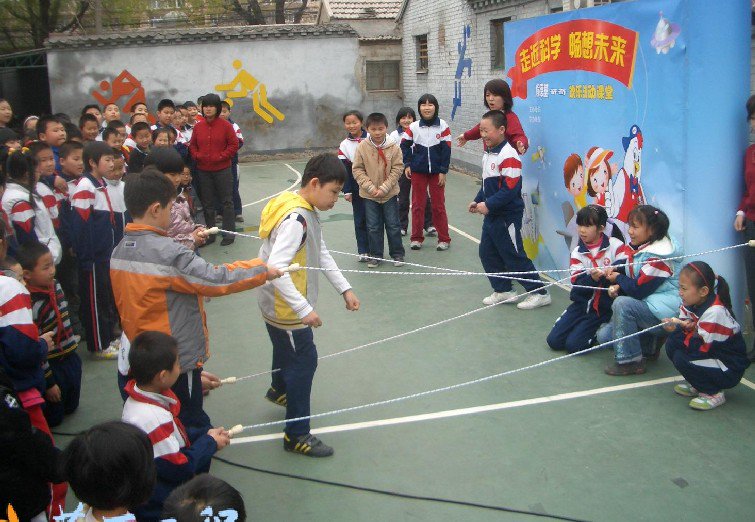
[498,98]
[213,144]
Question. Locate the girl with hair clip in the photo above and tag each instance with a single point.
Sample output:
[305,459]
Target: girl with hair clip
[498,98]
[647,293]
[29,217]
[706,343]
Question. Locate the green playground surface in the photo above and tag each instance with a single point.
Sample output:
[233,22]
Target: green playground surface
[563,439]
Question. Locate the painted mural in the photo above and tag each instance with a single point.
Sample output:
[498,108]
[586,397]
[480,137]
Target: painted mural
[464,63]
[124,90]
[244,84]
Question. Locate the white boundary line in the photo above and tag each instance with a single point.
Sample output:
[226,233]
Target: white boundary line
[747,383]
[298,180]
[472,410]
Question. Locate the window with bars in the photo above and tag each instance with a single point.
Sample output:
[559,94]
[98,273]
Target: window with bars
[422,57]
[497,55]
[383,75]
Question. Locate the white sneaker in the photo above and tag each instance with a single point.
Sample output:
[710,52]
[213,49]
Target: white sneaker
[363,258]
[399,261]
[707,402]
[415,245]
[431,231]
[109,353]
[442,245]
[403,231]
[533,301]
[509,297]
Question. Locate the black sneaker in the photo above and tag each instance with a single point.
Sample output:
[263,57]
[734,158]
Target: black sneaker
[228,240]
[308,445]
[276,397]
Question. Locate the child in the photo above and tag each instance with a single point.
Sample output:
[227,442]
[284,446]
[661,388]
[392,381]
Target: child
[189,502]
[378,164]
[576,327]
[352,121]
[72,132]
[290,227]
[71,170]
[161,138]
[9,138]
[498,98]
[644,296]
[50,313]
[426,146]
[114,188]
[110,468]
[30,128]
[706,343]
[29,460]
[170,301]
[182,228]
[500,201]
[180,454]
[93,225]
[94,110]
[404,118]
[225,113]
[112,137]
[165,111]
[50,130]
[24,206]
[89,127]
[111,113]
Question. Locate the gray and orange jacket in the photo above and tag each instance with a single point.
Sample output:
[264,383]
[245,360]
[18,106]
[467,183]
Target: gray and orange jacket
[159,284]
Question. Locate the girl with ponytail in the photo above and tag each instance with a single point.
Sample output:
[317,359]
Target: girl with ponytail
[706,343]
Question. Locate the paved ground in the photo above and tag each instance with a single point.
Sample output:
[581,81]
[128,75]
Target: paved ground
[560,439]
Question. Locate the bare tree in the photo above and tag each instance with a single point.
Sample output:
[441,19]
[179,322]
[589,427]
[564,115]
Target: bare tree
[28,23]
[251,12]
[300,12]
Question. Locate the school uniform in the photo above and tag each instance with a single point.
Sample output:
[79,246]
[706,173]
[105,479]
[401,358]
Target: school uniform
[346,151]
[136,159]
[405,191]
[118,204]
[501,248]
[711,355]
[180,453]
[50,312]
[576,327]
[31,222]
[426,146]
[93,227]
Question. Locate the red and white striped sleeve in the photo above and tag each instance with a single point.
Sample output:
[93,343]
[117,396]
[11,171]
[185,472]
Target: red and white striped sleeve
[716,325]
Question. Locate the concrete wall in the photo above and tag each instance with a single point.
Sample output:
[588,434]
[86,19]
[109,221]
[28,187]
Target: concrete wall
[311,80]
[443,21]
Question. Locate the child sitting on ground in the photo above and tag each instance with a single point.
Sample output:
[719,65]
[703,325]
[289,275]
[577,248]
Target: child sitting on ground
[500,201]
[378,164]
[50,314]
[143,295]
[110,468]
[290,227]
[180,454]
[182,228]
[647,294]
[192,501]
[706,343]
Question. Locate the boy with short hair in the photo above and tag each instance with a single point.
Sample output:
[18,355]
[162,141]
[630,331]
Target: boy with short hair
[111,113]
[500,201]
[142,136]
[170,300]
[92,225]
[9,138]
[71,170]
[50,130]
[378,165]
[50,314]
[89,127]
[291,229]
[180,453]
[165,112]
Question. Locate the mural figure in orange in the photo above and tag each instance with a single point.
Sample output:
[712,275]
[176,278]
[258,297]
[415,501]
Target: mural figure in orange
[243,84]
[124,85]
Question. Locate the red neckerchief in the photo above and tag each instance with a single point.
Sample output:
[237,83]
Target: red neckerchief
[381,156]
[594,260]
[174,408]
[52,294]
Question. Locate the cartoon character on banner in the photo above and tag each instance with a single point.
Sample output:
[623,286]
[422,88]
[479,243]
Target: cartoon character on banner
[599,176]
[627,190]
[243,85]
[574,181]
[123,85]
[664,37]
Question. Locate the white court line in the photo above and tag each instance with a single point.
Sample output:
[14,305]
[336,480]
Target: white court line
[747,383]
[295,183]
[462,233]
[470,411]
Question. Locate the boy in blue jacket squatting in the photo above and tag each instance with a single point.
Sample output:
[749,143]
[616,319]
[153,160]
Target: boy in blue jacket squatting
[180,454]
[500,201]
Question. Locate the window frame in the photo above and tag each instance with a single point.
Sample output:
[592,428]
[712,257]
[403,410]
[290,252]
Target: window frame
[496,38]
[382,64]
[422,61]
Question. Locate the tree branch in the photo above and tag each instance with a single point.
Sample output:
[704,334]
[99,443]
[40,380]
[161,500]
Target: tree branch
[83,8]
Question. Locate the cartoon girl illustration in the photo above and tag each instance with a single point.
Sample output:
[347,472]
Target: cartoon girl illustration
[599,186]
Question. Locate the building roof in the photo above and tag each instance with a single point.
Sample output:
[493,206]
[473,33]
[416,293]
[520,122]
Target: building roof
[361,9]
[150,37]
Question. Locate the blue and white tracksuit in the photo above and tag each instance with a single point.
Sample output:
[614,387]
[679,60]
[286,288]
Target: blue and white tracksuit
[576,327]
[711,355]
[501,247]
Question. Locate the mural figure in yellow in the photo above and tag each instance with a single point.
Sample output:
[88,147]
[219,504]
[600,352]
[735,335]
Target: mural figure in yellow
[243,84]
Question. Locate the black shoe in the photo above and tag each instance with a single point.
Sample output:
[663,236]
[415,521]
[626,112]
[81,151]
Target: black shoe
[308,445]
[210,240]
[276,397]
[228,240]
[632,368]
